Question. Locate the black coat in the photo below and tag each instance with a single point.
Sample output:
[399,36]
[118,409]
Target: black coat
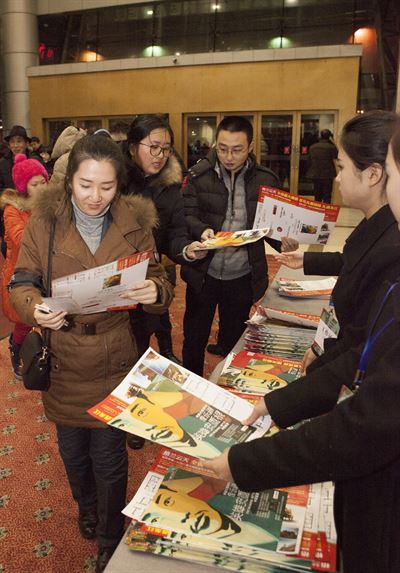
[6,165]
[206,201]
[165,190]
[321,160]
[362,268]
[356,444]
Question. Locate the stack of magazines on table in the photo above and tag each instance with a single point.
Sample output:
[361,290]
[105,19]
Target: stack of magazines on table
[181,510]
[321,288]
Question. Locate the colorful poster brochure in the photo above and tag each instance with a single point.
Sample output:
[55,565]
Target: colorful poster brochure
[234,239]
[167,404]
[293,216]
[99,289]
[259,374]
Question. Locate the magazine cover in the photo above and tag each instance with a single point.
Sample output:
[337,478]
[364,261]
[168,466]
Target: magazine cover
[293,516]
[258,373]
[234,239]
[183,411]
[202,505]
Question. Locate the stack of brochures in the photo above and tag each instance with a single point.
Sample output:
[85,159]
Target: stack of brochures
[306,289]
[275,340]
[258,374]
[264,314]
[182,511]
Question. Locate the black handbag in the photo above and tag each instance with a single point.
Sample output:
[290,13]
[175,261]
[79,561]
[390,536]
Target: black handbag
[35,353]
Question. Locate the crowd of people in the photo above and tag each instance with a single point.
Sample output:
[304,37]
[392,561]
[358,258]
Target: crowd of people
[107,198]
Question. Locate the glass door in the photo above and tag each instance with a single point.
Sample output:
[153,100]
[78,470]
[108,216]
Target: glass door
[200,136]
[276,146]
[311,125]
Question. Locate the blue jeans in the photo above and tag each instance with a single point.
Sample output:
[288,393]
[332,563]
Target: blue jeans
[96,463]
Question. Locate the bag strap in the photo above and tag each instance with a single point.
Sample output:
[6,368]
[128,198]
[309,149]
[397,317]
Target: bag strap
[46,334]
[50,257]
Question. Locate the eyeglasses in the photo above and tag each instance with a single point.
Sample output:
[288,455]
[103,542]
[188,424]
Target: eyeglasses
[156,150]
[235,151]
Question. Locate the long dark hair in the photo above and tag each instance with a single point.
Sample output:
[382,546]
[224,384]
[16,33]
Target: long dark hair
[99,149]
[143,125]
[365,138]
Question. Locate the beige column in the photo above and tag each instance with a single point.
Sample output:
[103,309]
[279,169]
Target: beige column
[19,51]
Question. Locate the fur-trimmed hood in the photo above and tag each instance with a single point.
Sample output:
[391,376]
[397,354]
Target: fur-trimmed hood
[133,209]
[66,140]
[20,201]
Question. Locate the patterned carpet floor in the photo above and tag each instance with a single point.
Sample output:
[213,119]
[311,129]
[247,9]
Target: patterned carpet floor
[38,517]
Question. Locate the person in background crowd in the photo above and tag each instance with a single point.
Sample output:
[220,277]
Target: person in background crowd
[220,194]
[45,156]
[362,267]
[35,147]
[18,141]
[90,356]
[119,131]
[322,169]
[30,178]
[61,150]
[356,442]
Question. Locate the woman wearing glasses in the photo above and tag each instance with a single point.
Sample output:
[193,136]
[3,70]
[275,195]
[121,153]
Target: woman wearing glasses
[154,171]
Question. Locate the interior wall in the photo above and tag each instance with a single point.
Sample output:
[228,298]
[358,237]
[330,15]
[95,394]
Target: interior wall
[320,84]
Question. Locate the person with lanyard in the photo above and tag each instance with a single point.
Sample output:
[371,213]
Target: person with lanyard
[91,354]
[362,267]
[356,443]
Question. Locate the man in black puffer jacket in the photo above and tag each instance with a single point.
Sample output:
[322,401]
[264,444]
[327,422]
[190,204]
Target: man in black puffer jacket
[220,194]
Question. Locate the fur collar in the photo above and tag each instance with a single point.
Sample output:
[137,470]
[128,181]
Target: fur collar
[171,174]
[20,201]
[134,209]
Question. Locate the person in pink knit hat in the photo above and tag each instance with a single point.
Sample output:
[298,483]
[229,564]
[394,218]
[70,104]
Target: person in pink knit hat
[30,178]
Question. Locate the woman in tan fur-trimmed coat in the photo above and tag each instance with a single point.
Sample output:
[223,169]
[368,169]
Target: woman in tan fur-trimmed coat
[94,226]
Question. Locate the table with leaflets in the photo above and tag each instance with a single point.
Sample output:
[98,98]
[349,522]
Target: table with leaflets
[125,560]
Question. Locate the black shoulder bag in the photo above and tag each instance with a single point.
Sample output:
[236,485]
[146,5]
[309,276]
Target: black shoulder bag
[35,352]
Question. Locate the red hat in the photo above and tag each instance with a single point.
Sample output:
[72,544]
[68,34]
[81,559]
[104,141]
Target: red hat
[23,171]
